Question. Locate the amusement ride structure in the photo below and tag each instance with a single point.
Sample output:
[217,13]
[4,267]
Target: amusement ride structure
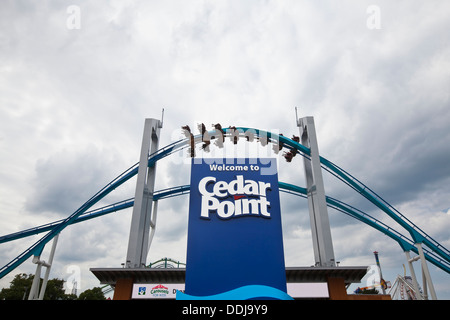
[145,204]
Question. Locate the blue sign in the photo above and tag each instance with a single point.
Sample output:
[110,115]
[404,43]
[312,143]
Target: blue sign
[235,241]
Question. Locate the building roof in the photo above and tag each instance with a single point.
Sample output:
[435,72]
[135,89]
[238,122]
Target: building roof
[177,275]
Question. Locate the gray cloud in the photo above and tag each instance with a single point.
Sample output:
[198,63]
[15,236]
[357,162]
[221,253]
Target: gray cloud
[65,180]
[72,104]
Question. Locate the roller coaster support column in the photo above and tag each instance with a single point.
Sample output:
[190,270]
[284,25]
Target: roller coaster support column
[413,274]
[318,212]
[143,200]
[35,294]
[426,273]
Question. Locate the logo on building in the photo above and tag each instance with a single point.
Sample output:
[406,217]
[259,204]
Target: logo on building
[159,291]
[142,291]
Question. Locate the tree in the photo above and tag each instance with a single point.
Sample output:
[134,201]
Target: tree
[367,291]
[95,293]
[55,291]
[370,291]
[20,286]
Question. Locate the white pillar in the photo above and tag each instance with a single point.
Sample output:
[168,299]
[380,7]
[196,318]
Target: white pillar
[152,224]
[142,209]
[35,294]
[320,225]
[413,275]
[37,277]
[47,272]
[426,272]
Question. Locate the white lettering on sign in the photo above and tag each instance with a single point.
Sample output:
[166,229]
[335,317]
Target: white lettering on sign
[249,197]
[223,167]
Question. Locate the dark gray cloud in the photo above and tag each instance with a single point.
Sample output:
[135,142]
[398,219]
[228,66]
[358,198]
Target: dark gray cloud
[67,179]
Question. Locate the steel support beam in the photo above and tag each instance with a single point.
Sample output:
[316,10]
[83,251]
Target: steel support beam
[138,242]
[35,293]
[426,277]
[320,225]
[413,275]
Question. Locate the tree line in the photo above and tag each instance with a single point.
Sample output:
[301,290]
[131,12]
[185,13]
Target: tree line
[20,286]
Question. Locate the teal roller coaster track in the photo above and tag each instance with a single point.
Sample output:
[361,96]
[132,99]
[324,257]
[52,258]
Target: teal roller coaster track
[434,252]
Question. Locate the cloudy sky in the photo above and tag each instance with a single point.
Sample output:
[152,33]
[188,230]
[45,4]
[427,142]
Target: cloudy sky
[78,78]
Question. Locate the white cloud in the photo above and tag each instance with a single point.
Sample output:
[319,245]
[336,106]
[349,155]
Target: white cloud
[73,103]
